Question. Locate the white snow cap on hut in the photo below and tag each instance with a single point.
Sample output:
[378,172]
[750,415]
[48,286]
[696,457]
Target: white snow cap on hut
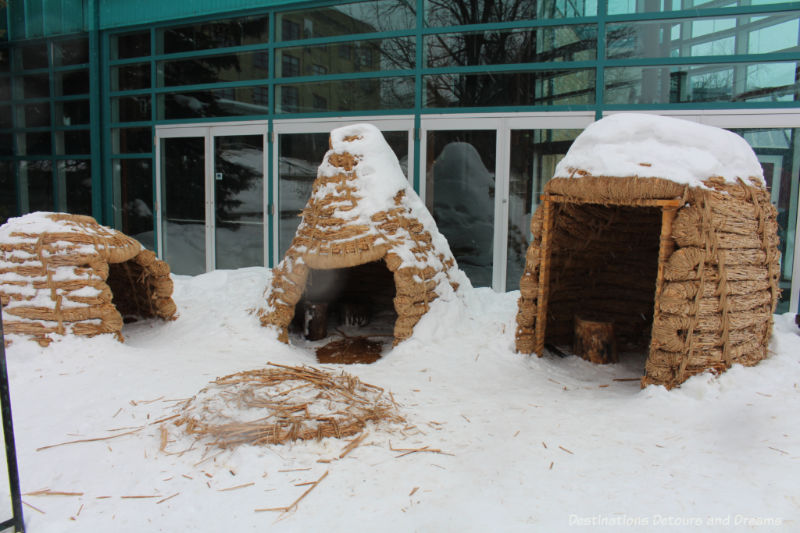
[362,210]
[652,146]
[378,179]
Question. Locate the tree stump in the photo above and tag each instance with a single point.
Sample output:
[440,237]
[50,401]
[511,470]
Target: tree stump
[315,320]
[595,341]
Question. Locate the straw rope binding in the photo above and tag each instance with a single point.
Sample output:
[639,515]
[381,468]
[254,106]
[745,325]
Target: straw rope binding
[720,280]
[66,274]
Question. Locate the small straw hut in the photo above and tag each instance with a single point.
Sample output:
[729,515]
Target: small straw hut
[63,274]
[364,235]
[664,228]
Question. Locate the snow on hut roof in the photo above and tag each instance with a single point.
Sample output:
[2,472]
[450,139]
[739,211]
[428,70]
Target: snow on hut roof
[378,178]
[650,146]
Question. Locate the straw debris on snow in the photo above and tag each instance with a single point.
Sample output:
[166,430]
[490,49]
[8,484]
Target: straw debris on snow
[281,404]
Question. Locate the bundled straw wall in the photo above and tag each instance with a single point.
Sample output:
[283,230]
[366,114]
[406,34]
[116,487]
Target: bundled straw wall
[362,210]
[63,274]
[720,275]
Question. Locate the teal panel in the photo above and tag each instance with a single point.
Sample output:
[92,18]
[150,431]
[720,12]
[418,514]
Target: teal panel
[117,13]
[29,19]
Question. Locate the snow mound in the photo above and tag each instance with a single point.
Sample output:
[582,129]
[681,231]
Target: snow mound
[651,146]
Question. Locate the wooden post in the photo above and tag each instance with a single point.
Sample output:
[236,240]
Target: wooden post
[595,341]
[315,320]
[544,276]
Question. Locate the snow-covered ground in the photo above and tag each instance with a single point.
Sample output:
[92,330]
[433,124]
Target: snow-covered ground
[534,444]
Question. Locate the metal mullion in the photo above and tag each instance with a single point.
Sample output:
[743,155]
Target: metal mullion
[53,143]
[600,73]
[127,61]
[155,164]
[705,13]
[494,26]
[137,155]
[512,67]
[419,62]
[700,105]
[209,86]
[335,39]
[210,52]
[71,68]
[72,97]
[345,76]
[82,127]
[502,184]
[507,109]
[272,173]
[773,57]
[33,129]
[210,202]
[142,124]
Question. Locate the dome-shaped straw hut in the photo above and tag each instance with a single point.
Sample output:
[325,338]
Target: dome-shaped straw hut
[67,274]
[365,240]
[662,228]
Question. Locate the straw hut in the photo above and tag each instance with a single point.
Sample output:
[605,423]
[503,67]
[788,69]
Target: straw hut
[365,237]
[664,229]
[67,274]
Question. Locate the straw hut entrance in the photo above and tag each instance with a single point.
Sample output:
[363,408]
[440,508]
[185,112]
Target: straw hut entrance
[682,265]
[367,249]
[66,274]
[356,300]
[603,267]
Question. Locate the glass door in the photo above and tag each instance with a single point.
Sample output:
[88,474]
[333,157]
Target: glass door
[483,176]
[238,200]
[183,226]
[211,204]
[299,149]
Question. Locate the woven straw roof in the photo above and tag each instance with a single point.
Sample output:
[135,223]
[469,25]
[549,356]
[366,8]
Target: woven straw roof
[705,280]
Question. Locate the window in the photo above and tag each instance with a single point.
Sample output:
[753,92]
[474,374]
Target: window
[290,30]
[289,99]
[290,66]
[320,103]
[261,96]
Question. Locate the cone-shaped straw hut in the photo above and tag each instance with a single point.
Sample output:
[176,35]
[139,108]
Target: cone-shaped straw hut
[67,274]
[365,235]
[663,228]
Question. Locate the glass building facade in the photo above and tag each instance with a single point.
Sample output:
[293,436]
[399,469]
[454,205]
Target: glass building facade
[197,127]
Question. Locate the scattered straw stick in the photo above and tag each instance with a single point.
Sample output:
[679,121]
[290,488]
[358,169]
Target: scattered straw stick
[415,489]
[48,492]
[32,507]
[164,419]
[627,379]
[201,461]
[778,450]
[566,450]
[409,451]
[243,485]
[186,476]
[89,440]
[79,510]
[164,436]
[352,445]
[167,498]
[545,445]
[140,496]
[295,470]
[294,503]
